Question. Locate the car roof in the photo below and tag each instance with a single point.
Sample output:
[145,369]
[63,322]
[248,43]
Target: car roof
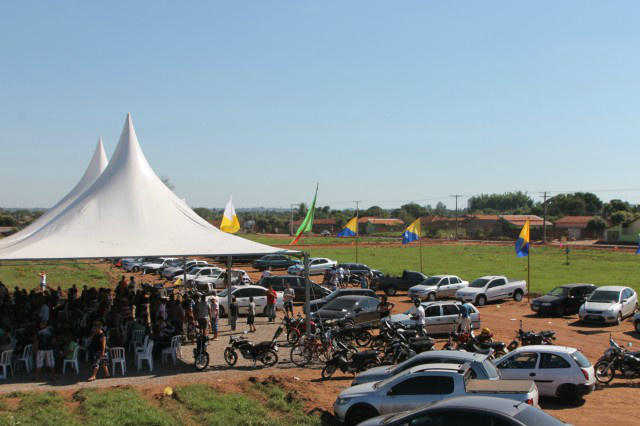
[612,288]
[440,302]
[281,276]
[356,298]
[467,356]
[577,285]
[435,367]
[505,406]
[364,290]
[546,348]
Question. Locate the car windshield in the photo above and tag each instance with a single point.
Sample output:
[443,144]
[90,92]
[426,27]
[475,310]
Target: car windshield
[479,283]
[580,359]
[223,293]
[559,291]
[340,304]
[431,281]
[333,295]
[605,296]
[533,416]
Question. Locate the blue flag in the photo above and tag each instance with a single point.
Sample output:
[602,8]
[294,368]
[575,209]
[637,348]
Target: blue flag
[522,244]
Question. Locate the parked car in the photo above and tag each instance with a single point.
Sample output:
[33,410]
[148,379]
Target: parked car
[491,288]
[170,272]
[558,371]
[198,272]
[421,385]
[480,365]
[562,300]
[609,304]
[153,266]
[279,283]
[274,261]
[325,233]
[469,411]
[317,265]
[135,265]
[360,269]
[355,309]
[320,303]
[437,287]
[440,317]
[242,295]
[636,322]
[391,285]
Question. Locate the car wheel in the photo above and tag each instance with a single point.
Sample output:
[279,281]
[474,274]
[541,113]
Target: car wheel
[619,318]
[569,394]
[517,296]
[135,269]
[637,326]
[359,415]
[391,291]
[221,312]
[559,311]
[481,300]
[431,297]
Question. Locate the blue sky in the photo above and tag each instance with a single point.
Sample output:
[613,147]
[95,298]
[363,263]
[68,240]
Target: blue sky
[378,101]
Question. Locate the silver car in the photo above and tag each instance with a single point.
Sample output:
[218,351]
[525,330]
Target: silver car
[437,287]
[481,365]
[440,317]
[609,304]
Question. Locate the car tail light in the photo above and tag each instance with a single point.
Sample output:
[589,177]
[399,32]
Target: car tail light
[585,373]
[530,401]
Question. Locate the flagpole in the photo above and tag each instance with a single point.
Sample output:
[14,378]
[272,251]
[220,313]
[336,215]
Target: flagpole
[420,241]
[357,230]
[529,273]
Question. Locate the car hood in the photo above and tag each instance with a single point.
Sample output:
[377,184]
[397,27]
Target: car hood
[422,287]
[599,306]
[548,299]
[327,314]
[364,389]
[373,375]
[402,318]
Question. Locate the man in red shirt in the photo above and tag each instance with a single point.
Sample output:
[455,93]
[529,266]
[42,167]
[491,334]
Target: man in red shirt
[271,304]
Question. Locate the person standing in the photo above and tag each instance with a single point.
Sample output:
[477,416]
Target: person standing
[364,282]
[214,308]
[465,318]
[289,295]
[418,315]
[98,349]
[385,307]
[202,314]
[251,317]
[267,272]
[43,281]
[233,313]
[271,303]
[43,347]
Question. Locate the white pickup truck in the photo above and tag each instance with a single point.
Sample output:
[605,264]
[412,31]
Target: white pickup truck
[490,288]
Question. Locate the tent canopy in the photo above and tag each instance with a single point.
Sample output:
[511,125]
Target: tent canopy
[127,212]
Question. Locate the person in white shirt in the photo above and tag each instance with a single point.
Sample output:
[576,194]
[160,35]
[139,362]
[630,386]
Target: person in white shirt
[43,312]
[418,315]
[215,310]
[289,295]
[267,272]
[43,281]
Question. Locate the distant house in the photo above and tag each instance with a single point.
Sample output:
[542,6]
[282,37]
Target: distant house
[518,220]
[7,230]
[372,225]
[319,225]
[575,227]
[626,232]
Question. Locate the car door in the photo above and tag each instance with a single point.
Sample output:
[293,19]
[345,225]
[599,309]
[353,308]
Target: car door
[259,298]
[519,366]
[413,391]
[496,289]
[433,320]
[242,299]
[575,299]
[455,284]
[553,370]
[371,310]
[450,317]
[444,288]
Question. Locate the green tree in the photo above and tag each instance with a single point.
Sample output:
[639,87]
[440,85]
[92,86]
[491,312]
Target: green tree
[567,205]
[620,217]
[414,210]
[597,224]
[500,203]
[204,213]
[375,211]
[614,206]
[301,211]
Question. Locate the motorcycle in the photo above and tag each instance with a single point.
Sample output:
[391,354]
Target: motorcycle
[359,334]
[467,342]
[617,359]
[349,363]
[526,338]
[264,352]
[297,327]
[200,354]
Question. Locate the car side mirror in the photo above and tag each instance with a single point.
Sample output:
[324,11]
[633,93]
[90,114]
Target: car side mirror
[390,393]
[357,310]
[625,300]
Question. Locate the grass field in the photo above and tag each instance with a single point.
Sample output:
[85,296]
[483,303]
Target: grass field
[198,404]
[62,273]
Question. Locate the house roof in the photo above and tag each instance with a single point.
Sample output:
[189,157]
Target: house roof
[440,219]
[4,229]
[520,219]
[483,217]
[318,222]
[574,222]
[380,221]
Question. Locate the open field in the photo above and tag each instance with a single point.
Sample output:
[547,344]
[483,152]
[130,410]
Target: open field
[59,273]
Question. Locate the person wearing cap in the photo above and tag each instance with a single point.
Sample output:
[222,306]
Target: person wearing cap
[418,315]
[43,347]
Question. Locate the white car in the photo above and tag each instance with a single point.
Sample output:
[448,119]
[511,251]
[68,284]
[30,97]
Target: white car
[199,272]
[558,371]
[153,266]
[317,265]
[422,385]
[242,294]
[219,278]
[437,287]
[440,317]
[135,264]
[176,268]
[490,288]
[609,304]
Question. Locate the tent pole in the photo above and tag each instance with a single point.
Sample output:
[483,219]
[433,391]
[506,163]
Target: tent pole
[307,293]
[228,280]
[184,272]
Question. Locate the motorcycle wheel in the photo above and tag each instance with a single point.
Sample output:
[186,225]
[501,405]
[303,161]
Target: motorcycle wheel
[378,343]
[270,358]
[363,339]
[350,351]
[202,361]
[300,355]
[230,357]
[604,372]
[293,336]
[328,371]
[325,352]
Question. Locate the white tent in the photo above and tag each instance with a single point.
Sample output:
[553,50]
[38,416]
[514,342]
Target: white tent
[128,212]
[96,167]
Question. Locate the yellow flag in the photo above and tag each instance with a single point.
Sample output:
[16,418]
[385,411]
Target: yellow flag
[230,221]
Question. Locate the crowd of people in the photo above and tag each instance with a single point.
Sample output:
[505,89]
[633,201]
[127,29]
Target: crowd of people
[340,277]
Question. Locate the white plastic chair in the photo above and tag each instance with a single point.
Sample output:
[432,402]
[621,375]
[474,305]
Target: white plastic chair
[73,361]
[118,357]
[84,346]
[147,355]
[27,358]
[5,362]
[141,349]
[173,350]
[136,340]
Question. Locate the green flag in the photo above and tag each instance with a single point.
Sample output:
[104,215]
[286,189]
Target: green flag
[307,223]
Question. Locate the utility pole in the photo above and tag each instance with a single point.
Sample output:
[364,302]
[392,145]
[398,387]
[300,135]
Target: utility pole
[357,226]
[456,196]
[544,218]
[291,221]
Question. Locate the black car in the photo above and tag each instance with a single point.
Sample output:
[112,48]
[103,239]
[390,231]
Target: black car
[275,261]
[319,303]
[279,283]
[562,300]
[355,309]
[359,269]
